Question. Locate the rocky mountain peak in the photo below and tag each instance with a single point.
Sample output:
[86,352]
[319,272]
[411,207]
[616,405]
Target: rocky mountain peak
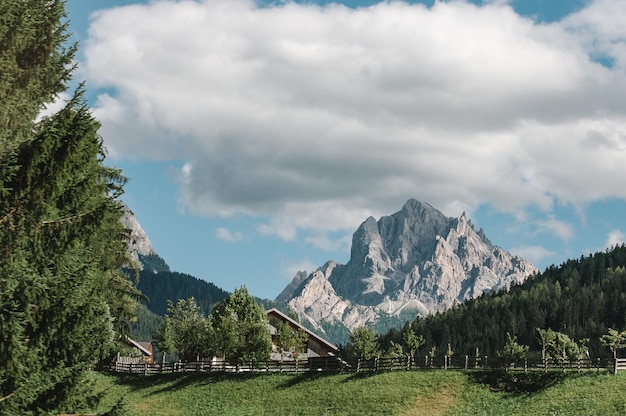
[417,258]
[140,247]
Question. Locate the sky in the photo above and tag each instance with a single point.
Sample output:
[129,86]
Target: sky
[258,136]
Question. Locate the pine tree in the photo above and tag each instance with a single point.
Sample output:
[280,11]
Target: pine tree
[35,65]
[63,297]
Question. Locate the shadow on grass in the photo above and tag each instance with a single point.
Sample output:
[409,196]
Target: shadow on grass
[173,381]
[518,382]
[295,379]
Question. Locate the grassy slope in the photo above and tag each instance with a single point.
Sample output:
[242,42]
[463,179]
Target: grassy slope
[399,393]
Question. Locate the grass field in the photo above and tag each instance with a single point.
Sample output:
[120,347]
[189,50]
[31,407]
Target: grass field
[393,393]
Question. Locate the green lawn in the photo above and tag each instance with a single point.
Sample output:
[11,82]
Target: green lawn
[397,393]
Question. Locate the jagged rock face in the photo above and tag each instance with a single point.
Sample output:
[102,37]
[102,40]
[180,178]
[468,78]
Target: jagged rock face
[416,258]
[140,245]
[328,306]
[288,292]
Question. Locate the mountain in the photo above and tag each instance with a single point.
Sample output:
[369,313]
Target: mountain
[140,247]
[159,284]
[415,260]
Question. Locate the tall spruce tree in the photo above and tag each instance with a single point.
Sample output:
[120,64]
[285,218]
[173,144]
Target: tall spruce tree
[63,296]
[35,64]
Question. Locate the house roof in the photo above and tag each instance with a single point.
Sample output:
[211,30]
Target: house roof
[309,332]
[139,346]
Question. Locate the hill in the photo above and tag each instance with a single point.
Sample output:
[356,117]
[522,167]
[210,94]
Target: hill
[162,286]
[581,298]
[395,393]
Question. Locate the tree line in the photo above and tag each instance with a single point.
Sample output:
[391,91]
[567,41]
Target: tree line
[235,331]
[578,302]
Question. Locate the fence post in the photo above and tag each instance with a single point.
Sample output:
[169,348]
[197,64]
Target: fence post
[525,364]
[466,362]
[615,366]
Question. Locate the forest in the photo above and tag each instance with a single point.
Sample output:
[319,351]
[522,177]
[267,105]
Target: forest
[582,298]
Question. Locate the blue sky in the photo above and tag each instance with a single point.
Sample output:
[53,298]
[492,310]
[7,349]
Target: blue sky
[259,136]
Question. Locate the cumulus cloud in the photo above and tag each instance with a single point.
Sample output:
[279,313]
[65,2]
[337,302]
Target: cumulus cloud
[318,116]
[55,106]
[614,238]
[561,229]
[534,254]
[227,235]
[290,269]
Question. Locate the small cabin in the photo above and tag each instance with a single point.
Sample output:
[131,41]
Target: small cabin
[145,348]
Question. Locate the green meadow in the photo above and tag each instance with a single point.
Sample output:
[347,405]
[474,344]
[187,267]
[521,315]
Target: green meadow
[392,393]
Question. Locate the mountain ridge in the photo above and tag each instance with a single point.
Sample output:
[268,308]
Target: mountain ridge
[415,259]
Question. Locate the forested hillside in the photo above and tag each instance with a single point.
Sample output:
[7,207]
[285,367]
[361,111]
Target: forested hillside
[163,286]
[580,298]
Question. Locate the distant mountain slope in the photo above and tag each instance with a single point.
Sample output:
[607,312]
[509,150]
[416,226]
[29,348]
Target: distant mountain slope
[582,298]
[163,286]
[416,259]
[159,283]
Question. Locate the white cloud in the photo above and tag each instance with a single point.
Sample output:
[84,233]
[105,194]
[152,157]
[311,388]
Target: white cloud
[614,238]
[324,242]
[228,235]
[281,227]
[55,106]
[561,229]
[320,116]
[290,269]
[534,254]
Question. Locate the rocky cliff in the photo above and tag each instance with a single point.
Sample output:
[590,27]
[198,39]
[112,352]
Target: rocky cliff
[416,259]
[140,246]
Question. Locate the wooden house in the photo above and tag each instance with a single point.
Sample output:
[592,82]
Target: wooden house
[316,346]
[145,348]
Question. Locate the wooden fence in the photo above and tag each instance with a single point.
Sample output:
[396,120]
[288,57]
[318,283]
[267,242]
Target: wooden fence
[334,364]
[619,364]
[270,366]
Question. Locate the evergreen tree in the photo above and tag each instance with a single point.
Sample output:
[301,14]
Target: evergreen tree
[35,65]
[63,296]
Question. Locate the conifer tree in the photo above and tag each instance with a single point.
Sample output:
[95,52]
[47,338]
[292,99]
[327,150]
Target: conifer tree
[35,65]
[63,297]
